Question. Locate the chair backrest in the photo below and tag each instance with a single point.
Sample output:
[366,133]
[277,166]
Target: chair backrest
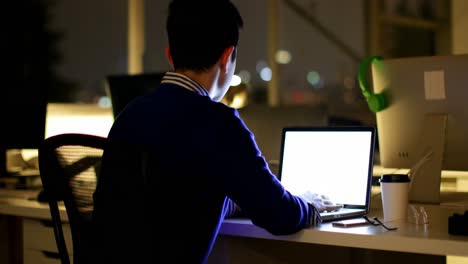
[69,165]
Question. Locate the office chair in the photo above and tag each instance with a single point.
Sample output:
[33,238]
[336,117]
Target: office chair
[69,165]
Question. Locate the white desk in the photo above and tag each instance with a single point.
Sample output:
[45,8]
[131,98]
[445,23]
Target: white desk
[24,236]
[432,239]
[411,243]
[23,204]
[423,239]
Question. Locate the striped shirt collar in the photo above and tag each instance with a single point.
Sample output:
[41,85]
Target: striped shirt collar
[184,81]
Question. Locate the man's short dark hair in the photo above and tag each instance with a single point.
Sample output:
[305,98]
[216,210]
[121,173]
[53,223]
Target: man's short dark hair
[199,32]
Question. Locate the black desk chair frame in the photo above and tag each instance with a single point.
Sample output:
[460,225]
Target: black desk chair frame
[69,165]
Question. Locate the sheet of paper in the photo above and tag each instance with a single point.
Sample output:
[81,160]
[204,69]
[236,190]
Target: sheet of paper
[434,85]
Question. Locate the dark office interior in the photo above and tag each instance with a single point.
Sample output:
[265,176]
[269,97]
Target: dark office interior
[298,64]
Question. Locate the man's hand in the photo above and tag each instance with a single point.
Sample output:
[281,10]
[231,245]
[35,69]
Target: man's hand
[320,201]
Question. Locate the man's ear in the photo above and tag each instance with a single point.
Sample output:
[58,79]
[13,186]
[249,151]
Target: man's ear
[225,58]
[169,57]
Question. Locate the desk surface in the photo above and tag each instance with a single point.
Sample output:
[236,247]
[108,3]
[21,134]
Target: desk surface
[24,204]
[432,238]
[424,239]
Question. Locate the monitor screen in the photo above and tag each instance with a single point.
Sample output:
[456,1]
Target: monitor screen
[310,156]
[426,120]
[124,88]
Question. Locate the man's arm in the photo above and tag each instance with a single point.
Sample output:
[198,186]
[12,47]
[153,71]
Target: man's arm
[248,181]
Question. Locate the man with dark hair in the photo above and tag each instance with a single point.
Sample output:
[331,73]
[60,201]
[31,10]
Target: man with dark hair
[201,161]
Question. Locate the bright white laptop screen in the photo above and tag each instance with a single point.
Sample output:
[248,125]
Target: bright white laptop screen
[334,162]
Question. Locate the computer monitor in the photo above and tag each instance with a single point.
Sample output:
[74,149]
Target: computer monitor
[78,118]
[425,124]
[124,88]
[267,123]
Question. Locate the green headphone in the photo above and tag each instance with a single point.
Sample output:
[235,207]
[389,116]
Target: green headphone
[376,102]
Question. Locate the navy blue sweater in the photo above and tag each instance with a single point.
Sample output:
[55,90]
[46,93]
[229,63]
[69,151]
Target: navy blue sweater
[203,160]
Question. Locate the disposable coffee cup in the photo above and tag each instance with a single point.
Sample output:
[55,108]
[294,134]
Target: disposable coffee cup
[394,189]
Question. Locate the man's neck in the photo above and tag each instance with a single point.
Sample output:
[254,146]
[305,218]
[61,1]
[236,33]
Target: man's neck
[204,78]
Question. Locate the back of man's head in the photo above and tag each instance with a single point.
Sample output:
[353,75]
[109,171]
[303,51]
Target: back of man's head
[199,31]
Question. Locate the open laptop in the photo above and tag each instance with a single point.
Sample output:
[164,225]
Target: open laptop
[334,161]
